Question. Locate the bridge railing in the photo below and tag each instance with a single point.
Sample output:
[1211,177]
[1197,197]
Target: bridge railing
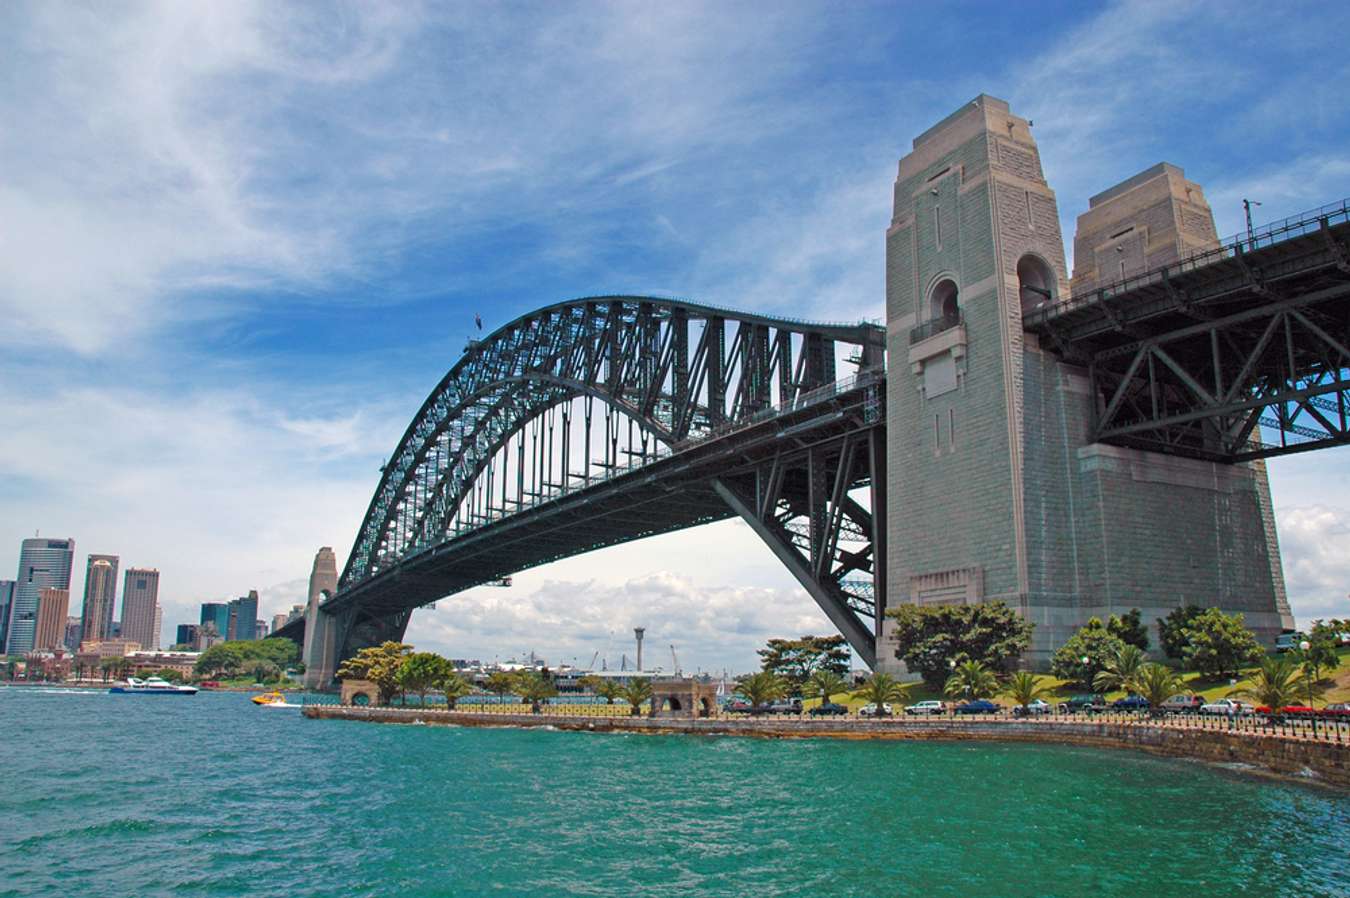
[865,377]
[1268,234]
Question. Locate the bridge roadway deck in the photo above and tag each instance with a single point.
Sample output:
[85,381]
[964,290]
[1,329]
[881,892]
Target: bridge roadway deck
[669,494]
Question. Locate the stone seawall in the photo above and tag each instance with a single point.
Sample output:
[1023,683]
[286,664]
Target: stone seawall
[1323,763]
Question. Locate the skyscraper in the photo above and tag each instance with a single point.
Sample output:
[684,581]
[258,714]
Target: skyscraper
[73,630]
[53,606]
[217,614]
[100,595]
[187,635]
[6,596]
[244,617]
[140,607]
[42,562]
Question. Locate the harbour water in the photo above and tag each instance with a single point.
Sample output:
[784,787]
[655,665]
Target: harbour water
[105,795]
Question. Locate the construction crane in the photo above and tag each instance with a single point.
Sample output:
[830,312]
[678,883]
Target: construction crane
[674,660]
[594,658]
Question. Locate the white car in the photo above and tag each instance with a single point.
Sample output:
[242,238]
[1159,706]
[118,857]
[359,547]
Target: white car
[1039,706]
[931,706]
[870,710]
[1227,707]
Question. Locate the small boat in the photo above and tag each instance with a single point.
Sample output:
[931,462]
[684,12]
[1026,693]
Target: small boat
[270,698]
[151,686]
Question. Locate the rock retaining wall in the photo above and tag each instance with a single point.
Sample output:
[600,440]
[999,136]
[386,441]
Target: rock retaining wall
[1324,763]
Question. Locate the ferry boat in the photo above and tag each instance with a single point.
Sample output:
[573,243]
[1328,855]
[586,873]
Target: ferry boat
[151,686]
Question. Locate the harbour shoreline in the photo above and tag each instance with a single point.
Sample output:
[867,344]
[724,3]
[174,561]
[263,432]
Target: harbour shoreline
[1308,762]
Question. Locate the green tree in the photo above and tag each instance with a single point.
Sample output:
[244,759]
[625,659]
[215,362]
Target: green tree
[107,667]
[796,659]
[1024,687]
[422,672]
[761,688]
[454,686]
[169,675]
[264,671]
[1129,628]
[500,683]
[1274,684]
[606,687]
[928,637]
[379,664]
[1321,654]
[1092,642]
[1172,630]
[635,692]
[535,687]
[969,680]
[825,684]
[1218,644]
[881,689]
[1156,683]
[1121,670]
[231,659]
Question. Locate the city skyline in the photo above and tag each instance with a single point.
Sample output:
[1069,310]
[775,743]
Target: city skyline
[299,288]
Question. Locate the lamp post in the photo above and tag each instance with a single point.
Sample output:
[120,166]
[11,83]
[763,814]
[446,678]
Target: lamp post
[1303,647]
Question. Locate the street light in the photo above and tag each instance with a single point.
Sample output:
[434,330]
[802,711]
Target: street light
[1303,647]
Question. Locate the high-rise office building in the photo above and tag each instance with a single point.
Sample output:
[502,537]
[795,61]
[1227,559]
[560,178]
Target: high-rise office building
[100,595]
[279,621]
[74,628]
[6,596]
[187,635]
[244,617]
[53,608]
[42,563]
[217,614]
[140,607]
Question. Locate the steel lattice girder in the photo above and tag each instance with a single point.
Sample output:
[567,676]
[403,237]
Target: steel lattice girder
[1193,359]
[635,354]
[669,494]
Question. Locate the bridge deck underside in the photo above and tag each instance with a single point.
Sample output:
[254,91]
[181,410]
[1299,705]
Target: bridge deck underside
[667,495]
[1195,360]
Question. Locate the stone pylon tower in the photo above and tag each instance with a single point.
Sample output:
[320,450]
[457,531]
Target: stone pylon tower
[318,649]
[993,488]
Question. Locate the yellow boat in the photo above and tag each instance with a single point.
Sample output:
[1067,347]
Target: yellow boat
[269,698]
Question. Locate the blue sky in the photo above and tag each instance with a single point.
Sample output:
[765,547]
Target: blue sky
[240,242]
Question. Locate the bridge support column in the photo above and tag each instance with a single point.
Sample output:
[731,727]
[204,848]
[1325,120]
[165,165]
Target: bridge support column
[321,648]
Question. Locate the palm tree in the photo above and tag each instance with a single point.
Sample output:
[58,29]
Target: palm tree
[971,679]
[455,688]
[1024,687]
[1274,685]
[535,687]
[500,683]
[880,689]
[1122,670]
[1156,683]
[761,688]
[635,692]
[826,684]
[606,688]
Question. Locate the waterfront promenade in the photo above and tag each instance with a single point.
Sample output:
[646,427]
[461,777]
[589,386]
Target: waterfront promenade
[1297,750]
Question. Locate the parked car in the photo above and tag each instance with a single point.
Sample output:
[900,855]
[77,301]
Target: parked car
[1286,642]
[828,709]
[1089,704]
[870,710]
[784,706]
[979,706]
[1130,703]
[1337,710]
[738,706]
[1226,707]
[1039,706]
[931,706]
[1183,703]
[1288,711]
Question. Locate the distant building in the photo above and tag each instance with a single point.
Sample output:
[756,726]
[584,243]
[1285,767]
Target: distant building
[207,636]
[143,663]
[187,634]
[74,633]
[140,607]
[260,630]
[109,648]
[100,596]
[217,614]
[53,608]
[297,612]
[6,596]
[243,617]
[279,621]
[42,563]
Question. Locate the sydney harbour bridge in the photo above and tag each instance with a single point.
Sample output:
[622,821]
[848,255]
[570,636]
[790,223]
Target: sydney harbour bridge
[598,421]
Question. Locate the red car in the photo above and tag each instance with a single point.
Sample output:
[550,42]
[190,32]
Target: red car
[1336,710]
[1289,710]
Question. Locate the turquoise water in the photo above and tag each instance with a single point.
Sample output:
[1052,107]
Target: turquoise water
[145,796]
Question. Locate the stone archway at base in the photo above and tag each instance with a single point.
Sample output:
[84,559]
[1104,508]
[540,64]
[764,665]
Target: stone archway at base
[683,697]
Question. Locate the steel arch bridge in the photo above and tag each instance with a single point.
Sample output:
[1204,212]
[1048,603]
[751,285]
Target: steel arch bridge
[601,420]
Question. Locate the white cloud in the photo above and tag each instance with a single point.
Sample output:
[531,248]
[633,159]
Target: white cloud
[1315,549]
